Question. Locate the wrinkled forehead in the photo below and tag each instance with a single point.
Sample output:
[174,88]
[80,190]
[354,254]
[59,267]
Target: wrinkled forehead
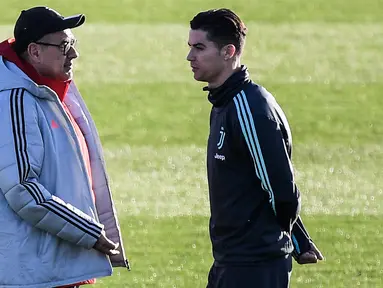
[61,35]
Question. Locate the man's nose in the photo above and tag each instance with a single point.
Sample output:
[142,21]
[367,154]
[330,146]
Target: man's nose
[190,56]
[73,53]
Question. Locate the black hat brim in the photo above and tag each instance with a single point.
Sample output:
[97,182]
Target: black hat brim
[73,21]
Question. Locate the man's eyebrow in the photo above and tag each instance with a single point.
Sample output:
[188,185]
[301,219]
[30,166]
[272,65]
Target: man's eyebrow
[68,39]
[196,44]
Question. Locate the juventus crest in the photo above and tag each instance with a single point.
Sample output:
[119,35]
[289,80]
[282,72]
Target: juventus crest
[221,138]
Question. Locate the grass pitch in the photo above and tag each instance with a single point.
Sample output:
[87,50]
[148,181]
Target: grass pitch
[322,60]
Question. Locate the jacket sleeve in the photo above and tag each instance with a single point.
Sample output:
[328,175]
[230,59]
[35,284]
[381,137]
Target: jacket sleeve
[264,140]
[22,155]
[301,239]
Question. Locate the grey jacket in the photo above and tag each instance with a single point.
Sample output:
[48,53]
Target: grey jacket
[48,219]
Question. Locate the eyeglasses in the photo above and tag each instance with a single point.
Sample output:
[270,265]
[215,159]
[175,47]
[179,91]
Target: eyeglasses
[64,46]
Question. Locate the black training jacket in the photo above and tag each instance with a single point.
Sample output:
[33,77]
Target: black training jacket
[254,201]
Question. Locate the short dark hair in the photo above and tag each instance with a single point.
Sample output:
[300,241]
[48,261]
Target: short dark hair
[223,27]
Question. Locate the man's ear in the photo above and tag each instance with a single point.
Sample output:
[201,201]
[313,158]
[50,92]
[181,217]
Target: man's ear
[34,52]
[228,51]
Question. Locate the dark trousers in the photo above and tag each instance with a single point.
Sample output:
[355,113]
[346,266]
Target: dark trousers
[270,274]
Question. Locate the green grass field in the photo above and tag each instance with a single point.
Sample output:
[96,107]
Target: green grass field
[322,60]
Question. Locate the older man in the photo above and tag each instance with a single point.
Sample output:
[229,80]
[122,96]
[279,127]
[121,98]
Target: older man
[58,225]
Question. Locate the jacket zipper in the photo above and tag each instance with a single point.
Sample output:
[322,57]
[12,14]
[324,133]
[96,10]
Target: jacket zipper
[78,148]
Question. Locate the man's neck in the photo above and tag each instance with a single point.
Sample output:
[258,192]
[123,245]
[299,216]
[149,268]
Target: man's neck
[225,75]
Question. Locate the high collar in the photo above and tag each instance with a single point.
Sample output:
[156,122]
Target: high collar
[221,95]
[60,87]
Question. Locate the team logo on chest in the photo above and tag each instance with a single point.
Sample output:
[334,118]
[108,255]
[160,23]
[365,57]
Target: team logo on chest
[221,138]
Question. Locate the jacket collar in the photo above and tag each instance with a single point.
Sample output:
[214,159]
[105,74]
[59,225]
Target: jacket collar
[9,54]
[221,95]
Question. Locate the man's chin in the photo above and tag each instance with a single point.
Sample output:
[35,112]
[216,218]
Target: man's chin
[199,78]
[66,76]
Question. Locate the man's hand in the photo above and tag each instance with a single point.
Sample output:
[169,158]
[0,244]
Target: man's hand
[311,256]
[106,246]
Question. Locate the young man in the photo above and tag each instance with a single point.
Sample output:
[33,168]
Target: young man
[58,225]
[254,202]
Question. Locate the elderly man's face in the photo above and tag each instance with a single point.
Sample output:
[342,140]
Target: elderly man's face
[56,62]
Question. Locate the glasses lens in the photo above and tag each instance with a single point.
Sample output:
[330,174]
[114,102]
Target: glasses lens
[68,45]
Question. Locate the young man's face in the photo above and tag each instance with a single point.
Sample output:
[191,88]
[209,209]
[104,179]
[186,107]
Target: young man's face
[53,63]
[206,60]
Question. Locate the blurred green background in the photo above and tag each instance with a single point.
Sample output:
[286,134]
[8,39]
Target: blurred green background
[323,62]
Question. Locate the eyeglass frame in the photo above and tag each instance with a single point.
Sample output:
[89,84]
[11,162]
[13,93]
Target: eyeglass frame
[65,43]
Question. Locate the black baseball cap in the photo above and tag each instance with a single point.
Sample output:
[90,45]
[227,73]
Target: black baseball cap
[37,22]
